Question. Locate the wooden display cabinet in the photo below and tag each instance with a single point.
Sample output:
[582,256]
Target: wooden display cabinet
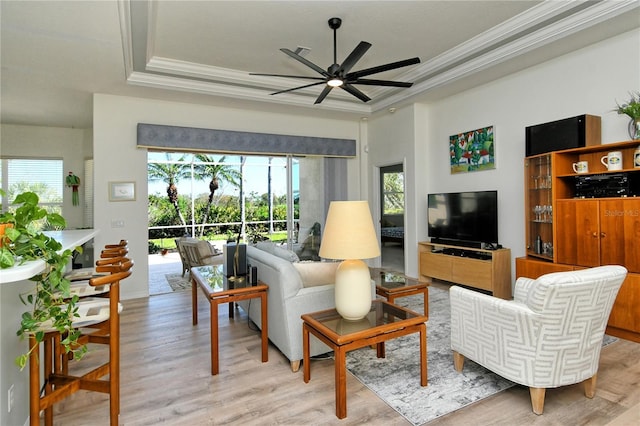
[586,231]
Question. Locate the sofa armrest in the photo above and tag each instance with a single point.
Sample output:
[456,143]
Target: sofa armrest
[490,330]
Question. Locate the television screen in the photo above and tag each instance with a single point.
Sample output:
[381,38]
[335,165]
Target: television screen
[463,217]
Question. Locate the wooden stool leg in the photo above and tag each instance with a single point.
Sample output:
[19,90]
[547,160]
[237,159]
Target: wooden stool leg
[50,343]
[114,355]
[34,384]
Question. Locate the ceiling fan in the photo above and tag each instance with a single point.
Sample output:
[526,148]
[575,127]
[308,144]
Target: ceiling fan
[338,75]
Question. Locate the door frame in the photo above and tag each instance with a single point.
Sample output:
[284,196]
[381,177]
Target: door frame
[377,205]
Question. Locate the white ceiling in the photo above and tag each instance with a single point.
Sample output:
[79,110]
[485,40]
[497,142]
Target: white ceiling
[56,54]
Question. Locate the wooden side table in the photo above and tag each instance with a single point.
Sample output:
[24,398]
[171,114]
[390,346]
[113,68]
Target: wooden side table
[391,285]
[218,289]
[385,321]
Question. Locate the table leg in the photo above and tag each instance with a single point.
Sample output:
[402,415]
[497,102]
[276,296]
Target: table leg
[341,382]
[265,327]
[423,355]
[194,300]
[391,298]
[380,352]
[426,301]
[306,368]
[214,338]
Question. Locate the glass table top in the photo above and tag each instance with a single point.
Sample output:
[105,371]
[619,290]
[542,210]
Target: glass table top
[213,277]
[392,279]
[381,313]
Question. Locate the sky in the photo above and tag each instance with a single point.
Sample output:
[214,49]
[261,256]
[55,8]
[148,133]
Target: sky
[256,173]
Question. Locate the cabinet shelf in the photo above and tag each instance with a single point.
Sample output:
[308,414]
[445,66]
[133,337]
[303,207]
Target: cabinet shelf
[601,172]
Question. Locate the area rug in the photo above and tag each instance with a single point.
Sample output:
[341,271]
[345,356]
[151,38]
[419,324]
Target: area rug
[396,378]
[177,282]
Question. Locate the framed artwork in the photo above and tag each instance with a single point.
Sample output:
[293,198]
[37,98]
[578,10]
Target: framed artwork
[122,191]
[472,151]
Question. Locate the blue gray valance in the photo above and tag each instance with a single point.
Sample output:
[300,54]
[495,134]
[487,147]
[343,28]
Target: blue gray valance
[177,138]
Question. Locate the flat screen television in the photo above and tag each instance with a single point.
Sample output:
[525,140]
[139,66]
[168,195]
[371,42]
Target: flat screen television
[463,218]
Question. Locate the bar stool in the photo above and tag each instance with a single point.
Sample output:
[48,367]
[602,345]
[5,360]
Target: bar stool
[99,322]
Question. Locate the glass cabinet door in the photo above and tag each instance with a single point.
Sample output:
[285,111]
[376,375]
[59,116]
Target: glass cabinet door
[539,206]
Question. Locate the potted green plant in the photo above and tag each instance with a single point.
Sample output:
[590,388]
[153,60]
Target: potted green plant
[51,306]
[632,109]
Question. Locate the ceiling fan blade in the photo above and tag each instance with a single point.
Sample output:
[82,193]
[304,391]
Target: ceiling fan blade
[323,94]
[296,88]
[288,76]
[369,82]
[382,68]
[354,56]
[355,92]
[308,63]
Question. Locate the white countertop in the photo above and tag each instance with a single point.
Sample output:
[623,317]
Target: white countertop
[69,239]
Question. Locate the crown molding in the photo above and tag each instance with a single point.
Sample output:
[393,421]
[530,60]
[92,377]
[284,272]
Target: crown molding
[536,27]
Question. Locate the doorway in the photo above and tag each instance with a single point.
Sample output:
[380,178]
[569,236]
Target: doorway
[392,217]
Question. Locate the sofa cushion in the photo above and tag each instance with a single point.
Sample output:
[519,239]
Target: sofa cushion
[275,250]
[317,273]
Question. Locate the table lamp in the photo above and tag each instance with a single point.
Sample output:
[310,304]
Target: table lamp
[349,236]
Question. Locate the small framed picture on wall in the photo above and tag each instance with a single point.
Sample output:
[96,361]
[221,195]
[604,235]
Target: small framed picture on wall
[122,191]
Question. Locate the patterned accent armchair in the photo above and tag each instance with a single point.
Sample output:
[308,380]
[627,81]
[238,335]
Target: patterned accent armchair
[550,335]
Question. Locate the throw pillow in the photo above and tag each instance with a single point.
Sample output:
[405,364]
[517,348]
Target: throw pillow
[317,273]
[285,254]
[265,246]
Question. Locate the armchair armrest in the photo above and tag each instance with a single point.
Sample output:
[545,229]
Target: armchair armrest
[521,289]
[490,331]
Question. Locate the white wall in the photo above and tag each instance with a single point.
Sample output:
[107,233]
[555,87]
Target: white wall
[118,159]
[71,145]
[391,141]
[41,142]
[588,81]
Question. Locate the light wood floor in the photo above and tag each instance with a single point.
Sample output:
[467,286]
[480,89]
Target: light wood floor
[165,375]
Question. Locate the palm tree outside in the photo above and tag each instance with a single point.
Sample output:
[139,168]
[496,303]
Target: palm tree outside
[218,172]
[171,173]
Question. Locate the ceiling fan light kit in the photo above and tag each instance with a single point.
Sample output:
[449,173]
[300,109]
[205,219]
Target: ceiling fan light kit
[338,75]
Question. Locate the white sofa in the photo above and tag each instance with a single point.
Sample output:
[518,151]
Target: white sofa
[295,288]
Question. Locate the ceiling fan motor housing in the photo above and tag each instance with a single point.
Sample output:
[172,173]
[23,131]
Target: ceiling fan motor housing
[334,23]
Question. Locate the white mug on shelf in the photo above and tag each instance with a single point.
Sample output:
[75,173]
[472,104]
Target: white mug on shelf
[581,167]
[613,160]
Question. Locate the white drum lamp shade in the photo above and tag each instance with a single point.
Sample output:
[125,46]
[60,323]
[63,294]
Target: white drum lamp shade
[349,236]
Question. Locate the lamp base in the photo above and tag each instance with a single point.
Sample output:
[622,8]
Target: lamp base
[353,289]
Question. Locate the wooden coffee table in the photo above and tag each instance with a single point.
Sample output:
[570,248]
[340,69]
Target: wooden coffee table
[385,321]
[218,290]
[391,285]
